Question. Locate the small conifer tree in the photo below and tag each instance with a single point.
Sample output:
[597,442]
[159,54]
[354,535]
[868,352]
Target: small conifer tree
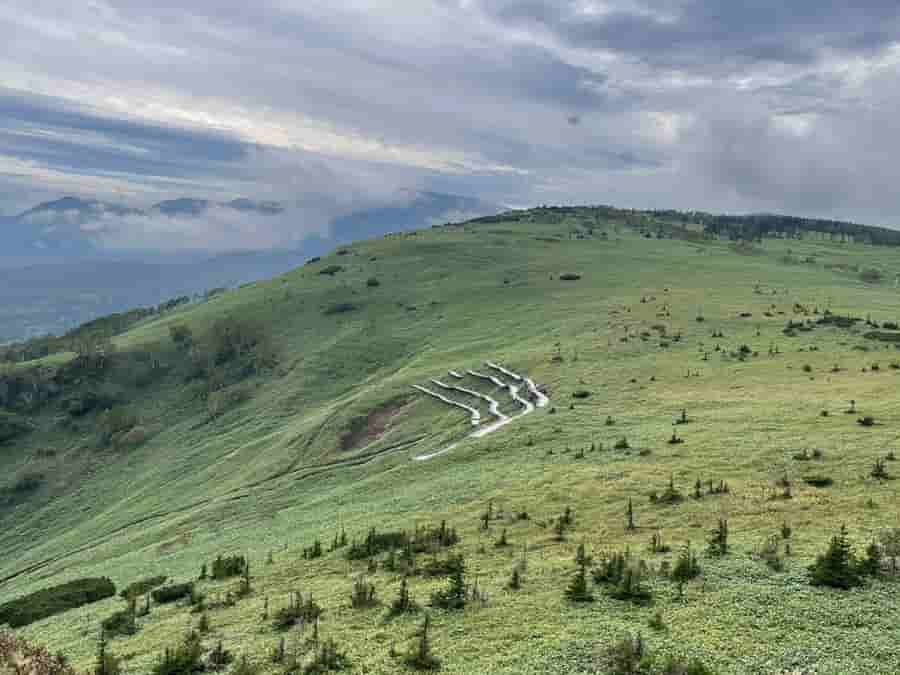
[718,540]
[836,567]
[420,656]
[577,590]
[686,568]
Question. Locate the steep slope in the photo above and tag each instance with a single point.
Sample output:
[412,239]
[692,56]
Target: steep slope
[608,321]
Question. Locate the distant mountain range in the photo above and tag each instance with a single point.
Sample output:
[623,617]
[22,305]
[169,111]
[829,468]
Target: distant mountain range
[72,226]
[56,273]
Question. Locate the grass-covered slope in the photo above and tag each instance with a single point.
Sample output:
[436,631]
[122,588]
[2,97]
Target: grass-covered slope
[325,439]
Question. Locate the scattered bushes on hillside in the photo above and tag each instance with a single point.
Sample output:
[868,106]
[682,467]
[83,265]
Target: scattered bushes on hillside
[55,600]
[114,424]
[838,566]
[818,481]
[422,540]
[339,308]
[181,335]
[455,596]
[221,401]
[363,595]
[871,275]
[122,622]
[630,656]
[228,566]
[327,659]
[624,577]
[331,270]
[246,340]
[183,659]
[420,656]
[80,403]
[172,593]
[298,611]
[12,426]
[142,587]
[24,485]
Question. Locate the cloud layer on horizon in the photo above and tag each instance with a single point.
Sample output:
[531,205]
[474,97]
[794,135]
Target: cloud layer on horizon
[686,103]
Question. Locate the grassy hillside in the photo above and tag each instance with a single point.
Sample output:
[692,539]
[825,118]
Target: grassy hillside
[325,439]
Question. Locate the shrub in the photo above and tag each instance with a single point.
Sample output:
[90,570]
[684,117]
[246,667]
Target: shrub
[27,483]
[581,393]
[372,282]
[181,335]
[229,566]
[403,603]
[55,600]
[339,308]
[879,470]
[115,423]
[867,421]
[686,568]
[837,567]
[172,593]
[420,656]
[220,402]
[569,276]
[454,596]
[327,659]
[120,623]
[297,611]
[331,270]
[183,660]
[871,275]
[718,540]
[818,481]
[769,552]
[232,339]
[12,426]
[363,595]
[671,495]
[627,657]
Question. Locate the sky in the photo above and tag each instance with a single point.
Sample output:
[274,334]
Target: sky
[694,104]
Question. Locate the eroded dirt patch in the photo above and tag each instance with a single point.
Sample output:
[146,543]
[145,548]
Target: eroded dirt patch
[367,429]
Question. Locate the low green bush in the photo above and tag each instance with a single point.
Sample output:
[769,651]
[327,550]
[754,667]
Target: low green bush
[172,593]
[142,586]
[55,600]
[12,426]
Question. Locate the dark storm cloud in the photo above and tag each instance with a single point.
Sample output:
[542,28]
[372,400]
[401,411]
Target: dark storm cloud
[52,132]
[20,110]
[711,33]
[685,103]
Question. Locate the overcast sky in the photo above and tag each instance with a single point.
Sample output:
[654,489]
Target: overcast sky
[778,105]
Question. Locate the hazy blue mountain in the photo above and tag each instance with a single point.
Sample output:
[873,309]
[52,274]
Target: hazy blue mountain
[53,298]
[55,273]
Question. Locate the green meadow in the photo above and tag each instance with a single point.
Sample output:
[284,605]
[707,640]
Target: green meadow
[325,438]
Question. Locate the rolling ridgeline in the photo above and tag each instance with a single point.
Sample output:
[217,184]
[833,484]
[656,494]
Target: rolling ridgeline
[229,485]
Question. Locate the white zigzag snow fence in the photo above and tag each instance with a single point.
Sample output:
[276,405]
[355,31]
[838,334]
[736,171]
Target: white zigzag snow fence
[493,405]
